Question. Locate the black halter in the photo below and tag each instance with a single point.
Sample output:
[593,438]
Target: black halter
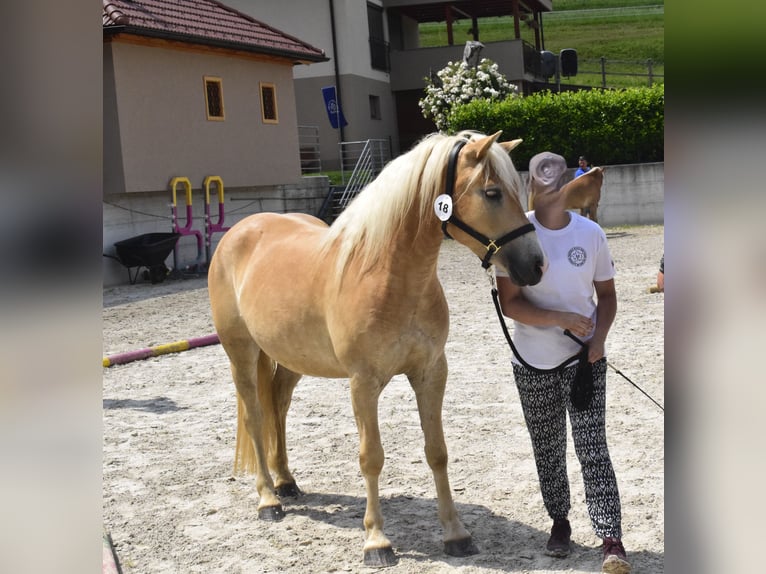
[492,245]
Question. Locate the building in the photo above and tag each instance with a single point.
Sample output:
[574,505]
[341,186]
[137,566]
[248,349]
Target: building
[193,89]
[378,65]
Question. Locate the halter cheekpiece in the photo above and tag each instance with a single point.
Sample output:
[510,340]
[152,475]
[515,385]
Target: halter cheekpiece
[492,245]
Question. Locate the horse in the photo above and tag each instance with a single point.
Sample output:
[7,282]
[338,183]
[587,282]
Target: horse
[361,299]
[583,193]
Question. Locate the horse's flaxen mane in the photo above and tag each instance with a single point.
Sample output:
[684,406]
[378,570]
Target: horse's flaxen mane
[411,181]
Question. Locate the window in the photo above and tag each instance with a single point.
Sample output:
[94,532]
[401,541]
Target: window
[375,107]
[269,103]
[214,98]
[378,45]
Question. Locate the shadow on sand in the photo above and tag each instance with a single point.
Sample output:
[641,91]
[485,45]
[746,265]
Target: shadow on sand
[504,544]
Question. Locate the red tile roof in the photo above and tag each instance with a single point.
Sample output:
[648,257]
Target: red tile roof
[205,22]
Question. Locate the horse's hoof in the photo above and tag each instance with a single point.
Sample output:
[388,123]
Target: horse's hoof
[460,547]
[271,513]
[380,557]
[289,489]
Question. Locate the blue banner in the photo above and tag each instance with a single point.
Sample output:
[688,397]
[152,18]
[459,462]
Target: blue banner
[334,113]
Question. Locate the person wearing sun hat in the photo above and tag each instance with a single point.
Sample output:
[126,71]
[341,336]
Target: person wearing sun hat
[577,294]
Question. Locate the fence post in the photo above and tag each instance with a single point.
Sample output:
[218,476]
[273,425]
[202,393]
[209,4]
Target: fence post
[603,72]
[649,67]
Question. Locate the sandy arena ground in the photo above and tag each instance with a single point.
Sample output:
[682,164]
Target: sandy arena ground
[172,505]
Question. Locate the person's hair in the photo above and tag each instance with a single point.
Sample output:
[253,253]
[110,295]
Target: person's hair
[582,157]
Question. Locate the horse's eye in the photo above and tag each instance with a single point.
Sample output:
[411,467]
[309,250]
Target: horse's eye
[492,193]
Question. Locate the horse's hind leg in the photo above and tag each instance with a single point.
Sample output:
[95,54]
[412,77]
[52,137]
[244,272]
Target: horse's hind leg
[429,391]
[277,392]
[589,211]
[250,368]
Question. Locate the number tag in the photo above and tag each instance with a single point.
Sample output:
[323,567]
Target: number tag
[443,207]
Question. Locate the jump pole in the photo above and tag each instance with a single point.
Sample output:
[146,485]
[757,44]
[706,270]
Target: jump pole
[175,347]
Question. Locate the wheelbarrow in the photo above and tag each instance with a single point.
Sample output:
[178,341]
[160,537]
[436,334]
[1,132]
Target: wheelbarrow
[148,250]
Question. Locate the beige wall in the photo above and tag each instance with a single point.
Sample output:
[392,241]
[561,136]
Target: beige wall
[158,103]
[356,92]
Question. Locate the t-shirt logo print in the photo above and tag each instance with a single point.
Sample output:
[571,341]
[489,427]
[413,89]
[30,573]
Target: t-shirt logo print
[577,256]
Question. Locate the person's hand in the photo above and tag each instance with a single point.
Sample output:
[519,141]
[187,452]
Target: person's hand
[595,350]
[579,325]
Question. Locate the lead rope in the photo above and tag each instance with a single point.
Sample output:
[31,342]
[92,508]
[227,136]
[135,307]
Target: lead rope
[580,393]
[569,334]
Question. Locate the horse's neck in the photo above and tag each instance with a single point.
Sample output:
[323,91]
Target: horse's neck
[416,246]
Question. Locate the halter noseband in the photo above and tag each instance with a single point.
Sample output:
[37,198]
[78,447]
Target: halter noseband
[492,245]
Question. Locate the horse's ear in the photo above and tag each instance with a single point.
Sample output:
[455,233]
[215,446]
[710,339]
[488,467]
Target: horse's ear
[485,144]
[508,146]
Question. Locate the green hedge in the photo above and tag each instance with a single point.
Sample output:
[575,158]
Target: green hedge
[608,127]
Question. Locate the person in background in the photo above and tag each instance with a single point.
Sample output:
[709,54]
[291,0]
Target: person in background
[576,293]
[660,286]
[661,275]
[583,166]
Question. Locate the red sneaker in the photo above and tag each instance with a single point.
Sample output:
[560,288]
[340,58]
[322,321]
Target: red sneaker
[615,560]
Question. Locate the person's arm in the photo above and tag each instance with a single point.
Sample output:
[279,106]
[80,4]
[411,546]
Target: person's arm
[606,310]
[519,308]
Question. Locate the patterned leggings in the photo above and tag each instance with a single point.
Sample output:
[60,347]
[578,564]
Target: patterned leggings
[545,401]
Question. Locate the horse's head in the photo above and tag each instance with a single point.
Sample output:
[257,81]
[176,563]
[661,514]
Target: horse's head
[486,200]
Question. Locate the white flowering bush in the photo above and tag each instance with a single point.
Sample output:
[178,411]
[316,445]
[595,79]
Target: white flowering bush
[458,83]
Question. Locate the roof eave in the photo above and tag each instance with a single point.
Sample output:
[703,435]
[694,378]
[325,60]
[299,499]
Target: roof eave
[294,57]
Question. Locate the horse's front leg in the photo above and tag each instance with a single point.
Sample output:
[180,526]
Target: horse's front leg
[364,399]
[429,391]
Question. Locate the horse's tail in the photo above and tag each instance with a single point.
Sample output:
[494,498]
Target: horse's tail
[244,451]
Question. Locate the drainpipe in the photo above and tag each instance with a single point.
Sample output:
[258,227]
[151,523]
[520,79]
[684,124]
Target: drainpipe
[335,63]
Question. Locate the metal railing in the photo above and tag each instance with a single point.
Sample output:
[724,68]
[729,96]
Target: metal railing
[364,160]
[308,143]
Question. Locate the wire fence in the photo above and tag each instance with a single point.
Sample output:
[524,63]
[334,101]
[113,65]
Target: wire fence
[608,73]
[603,13]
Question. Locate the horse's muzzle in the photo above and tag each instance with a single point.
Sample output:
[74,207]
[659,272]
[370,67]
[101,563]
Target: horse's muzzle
[525,271]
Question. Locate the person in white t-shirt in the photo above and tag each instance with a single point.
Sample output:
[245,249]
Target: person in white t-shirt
[576,293]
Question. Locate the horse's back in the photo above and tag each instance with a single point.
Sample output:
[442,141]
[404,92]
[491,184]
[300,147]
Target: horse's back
[261,232]
[585,190]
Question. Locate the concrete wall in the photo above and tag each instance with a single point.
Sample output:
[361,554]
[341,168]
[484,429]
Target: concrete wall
[127,215]
[630,195]
[410,67]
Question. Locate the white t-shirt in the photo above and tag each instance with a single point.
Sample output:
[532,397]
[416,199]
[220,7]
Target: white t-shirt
[577,256]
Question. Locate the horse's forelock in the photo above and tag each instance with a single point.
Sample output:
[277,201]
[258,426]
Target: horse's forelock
[500,162]
[497,165]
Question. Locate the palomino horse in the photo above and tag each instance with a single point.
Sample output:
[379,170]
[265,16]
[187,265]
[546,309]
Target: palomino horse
[361,300]
[583,193]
